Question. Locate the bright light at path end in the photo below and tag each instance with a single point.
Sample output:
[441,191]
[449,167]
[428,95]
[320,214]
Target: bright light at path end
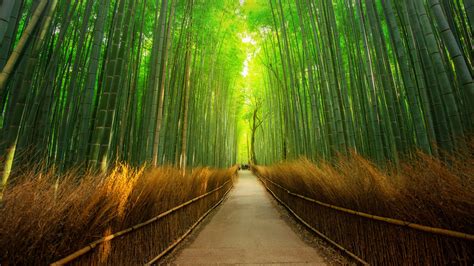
[248,39]
[245,71]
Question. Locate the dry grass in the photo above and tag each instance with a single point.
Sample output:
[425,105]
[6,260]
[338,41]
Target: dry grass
[45,216]
[424,190]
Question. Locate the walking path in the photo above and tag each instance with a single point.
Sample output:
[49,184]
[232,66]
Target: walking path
[248,229]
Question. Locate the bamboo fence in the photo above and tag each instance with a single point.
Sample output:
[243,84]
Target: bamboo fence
[159,234]
[372,239]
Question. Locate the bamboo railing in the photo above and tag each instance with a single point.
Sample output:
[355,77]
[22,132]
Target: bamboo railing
[77,254]
[181,238]
[366,232]
[346,251]
[434,230]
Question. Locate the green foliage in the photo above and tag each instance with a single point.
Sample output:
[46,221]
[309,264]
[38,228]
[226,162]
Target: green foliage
[366,76]
[164,82]
[128,74]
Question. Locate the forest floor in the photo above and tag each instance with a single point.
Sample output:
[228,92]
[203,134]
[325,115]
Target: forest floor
[251,228]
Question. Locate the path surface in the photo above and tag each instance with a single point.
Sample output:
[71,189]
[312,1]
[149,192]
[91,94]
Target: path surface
[247,229]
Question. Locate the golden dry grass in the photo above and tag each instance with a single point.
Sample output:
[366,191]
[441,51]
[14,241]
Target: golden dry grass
[46,216]
[422,190]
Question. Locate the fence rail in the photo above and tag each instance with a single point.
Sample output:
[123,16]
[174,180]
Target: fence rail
[73,256]
[346,251]
[434,230]
[372,239]
[181,238]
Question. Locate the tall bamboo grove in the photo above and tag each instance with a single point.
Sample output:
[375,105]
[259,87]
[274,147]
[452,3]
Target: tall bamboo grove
[97,82]
[378,77]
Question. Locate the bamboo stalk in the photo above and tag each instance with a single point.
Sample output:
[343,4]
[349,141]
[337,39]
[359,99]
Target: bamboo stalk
[94,244]
[419,227]
[15,55]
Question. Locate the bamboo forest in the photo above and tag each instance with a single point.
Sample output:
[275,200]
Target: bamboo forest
[328,132]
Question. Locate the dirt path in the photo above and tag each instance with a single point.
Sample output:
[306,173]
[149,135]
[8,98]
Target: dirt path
[248,228]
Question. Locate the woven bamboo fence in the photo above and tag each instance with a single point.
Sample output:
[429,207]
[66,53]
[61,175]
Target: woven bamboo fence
[376,240]
[147,242]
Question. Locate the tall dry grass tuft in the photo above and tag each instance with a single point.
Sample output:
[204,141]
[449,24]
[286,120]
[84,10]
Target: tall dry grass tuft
[47,216]
[423,190]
